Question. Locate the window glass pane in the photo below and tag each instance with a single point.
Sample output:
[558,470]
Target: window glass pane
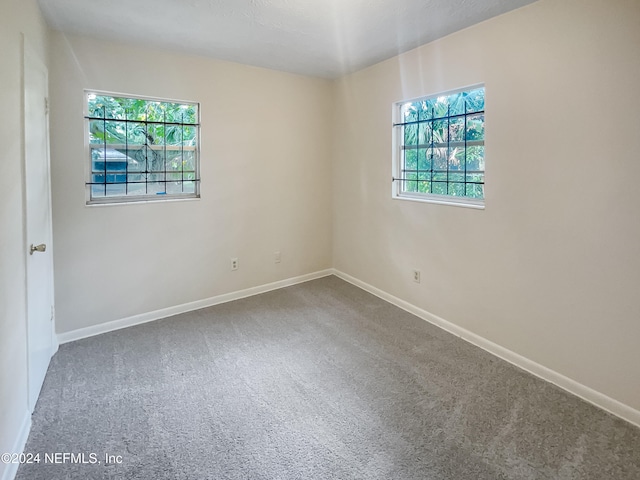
[189,187]
[173,112]
[173,135]
[161,158]
[174,160]
[189,136]
[105,163]
[424,159]
[154,111]
[136,133]
[181,113]
[155,188]
[474,191]
[154,159]
[410,184]
[107,131]
[424,133]
[456,103]
[136,178]
[440,131]
[137,188]
[136,160]
[154,134]
[475,177]
[96,111]
[439,188]
[425,110]
[97,190]
[410,159]
[440,107]
[96,131]
[439,175]
[188,160]
[408,112]
[128,108]
[475,100]
[475,127]
[440,159]
[116,190]
[102,106]
[456,189]
[411,134]
[475,159]
[191,114]
[456,130]
[174,188]
[457,158]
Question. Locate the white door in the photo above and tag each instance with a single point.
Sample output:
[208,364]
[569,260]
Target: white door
[40,329]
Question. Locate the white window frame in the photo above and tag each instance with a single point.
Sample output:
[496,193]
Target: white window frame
[397,158]
[151,197]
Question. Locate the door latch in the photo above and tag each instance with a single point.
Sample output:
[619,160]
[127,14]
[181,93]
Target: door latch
[37,248]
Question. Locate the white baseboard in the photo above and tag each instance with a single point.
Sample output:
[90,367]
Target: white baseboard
[594,397]
[80,333]
[8,470]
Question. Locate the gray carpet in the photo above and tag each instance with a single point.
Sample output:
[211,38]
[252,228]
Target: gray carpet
[316,381]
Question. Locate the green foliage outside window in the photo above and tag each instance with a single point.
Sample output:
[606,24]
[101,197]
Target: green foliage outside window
[443,145]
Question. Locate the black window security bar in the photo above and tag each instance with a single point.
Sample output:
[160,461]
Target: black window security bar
[447,178]
[153,165]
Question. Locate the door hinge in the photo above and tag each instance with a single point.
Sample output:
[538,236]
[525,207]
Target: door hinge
[46,105]
[53,313]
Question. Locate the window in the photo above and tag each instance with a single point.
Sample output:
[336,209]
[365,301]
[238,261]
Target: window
[141,149]
[439,148]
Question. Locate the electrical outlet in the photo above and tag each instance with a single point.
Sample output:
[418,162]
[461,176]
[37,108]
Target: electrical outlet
[234,263]
[277,257]
[416,276]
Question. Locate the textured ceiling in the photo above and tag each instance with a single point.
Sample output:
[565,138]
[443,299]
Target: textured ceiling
[323,38]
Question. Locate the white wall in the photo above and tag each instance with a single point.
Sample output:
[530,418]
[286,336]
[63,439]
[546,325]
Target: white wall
[18,16]
[551,268]
[265,185]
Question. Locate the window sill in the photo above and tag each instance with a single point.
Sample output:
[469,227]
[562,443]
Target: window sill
[139,201]
[439,200]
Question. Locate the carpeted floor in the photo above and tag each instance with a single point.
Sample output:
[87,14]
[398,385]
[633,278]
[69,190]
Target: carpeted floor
[316,381]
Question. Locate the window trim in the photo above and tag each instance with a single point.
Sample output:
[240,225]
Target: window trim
[132,199]
[397,144]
